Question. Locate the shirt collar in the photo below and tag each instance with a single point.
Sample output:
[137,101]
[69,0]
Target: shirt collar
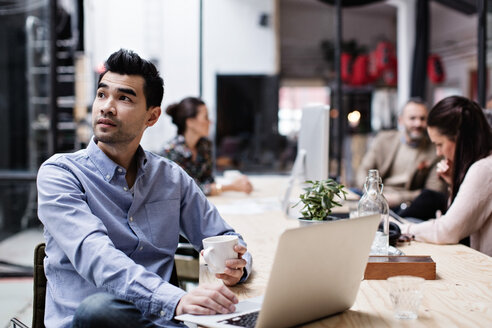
[141,160]
[106,166]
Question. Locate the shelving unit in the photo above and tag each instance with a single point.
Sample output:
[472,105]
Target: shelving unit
[50,49]
[48,42]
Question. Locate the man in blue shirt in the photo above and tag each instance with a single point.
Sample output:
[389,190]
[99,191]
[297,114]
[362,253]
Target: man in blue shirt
[113,213]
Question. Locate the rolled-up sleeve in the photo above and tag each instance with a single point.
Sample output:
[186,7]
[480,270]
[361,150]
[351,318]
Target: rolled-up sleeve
[200,219]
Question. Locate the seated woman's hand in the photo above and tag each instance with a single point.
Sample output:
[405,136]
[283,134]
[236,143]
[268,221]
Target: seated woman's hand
[444,169]
[243,184]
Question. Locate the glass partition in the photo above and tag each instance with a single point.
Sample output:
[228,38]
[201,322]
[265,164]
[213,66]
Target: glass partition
[24,106]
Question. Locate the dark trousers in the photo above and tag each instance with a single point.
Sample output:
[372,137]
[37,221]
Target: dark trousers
[426,204]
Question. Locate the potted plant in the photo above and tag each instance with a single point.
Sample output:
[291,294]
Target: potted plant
[319,198]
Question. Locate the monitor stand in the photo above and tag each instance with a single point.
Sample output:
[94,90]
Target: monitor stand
[298,174]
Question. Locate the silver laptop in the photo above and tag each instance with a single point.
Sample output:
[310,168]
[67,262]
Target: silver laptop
[316,273]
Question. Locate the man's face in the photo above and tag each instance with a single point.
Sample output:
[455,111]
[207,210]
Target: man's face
[119,111]
[414,120]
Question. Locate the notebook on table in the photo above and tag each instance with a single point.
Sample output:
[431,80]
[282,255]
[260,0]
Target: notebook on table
[316,272]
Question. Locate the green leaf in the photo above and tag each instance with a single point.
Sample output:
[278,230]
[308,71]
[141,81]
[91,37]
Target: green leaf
[318,198]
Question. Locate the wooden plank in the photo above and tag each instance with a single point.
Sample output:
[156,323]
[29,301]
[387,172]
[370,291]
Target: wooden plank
[383,267]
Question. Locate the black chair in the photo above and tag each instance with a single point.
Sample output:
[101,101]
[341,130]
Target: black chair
[186,263]
[39,291]
[39,287]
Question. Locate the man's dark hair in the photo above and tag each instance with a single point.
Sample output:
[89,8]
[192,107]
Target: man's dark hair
[127,62]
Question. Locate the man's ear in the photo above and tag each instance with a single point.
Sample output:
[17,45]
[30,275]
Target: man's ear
[153,115]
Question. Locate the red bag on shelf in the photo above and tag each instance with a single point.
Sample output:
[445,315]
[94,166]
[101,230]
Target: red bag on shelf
[435,69]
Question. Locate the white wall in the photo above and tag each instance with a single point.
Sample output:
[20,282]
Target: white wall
[168,31]
[453,36]
[406,17]
[369,29]
[235,43]
[179,22]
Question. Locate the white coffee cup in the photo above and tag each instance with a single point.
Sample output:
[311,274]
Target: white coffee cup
[217,250]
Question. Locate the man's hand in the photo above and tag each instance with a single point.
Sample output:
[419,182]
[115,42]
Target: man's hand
[392,198]
[207,299]
[234,268]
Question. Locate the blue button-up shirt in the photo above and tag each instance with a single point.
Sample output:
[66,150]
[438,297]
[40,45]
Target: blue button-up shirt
[103,236]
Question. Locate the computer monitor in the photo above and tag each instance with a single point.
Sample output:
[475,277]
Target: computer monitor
[313,142]
[312,160]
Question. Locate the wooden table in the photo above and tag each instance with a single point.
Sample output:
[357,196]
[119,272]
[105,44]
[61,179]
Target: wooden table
[461,296]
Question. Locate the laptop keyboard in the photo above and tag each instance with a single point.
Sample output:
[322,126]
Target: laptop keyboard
[247,320]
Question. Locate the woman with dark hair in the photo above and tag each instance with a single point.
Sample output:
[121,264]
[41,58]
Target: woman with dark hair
[463,137]
[192,149]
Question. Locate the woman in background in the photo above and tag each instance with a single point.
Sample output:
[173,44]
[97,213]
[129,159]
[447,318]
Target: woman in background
[192,149]
[462,135]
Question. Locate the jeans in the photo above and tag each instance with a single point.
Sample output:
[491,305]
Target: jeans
[105,310]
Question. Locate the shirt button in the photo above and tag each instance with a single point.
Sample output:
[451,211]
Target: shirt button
[125,188]
[120,170]
[108,176]
[131,218]
[162,313]
[141,248]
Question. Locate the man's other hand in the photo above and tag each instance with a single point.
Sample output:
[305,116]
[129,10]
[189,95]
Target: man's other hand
[207,299]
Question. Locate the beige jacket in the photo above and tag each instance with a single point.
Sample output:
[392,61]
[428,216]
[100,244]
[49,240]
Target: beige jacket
[470,214]
[381,155]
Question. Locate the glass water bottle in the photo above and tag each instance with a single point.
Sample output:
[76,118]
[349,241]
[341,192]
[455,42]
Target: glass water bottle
[373,202]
